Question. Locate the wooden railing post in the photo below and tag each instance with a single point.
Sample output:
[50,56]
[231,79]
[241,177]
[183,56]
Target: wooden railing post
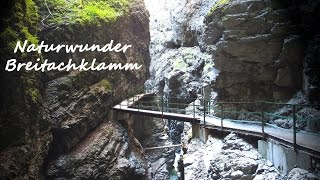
[221,108]
[128,99]
[262,119]
[294,127]
[194,109]
[133,99]
[209,102]
[162,106]
[204,112]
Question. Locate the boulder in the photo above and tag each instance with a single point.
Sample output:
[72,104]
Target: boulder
[239,160]
[302,174]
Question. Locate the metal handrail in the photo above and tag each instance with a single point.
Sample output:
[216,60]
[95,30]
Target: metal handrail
[207,109]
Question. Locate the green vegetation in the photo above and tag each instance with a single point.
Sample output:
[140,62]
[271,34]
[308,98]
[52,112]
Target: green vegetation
[106,84]
[21,22]
[103,86]
[180,64]
[90,12]
[31,38]
[9,36]
[34,95]
[218,3]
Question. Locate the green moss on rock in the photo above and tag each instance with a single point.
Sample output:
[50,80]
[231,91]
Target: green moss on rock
[103,86]
[218,4]
[179,64]
[34,95]
[106,84]
[21,22]
[90,12]
[28,36]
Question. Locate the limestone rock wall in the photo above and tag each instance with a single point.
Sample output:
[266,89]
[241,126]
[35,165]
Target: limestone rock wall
[104,154]
[178,65]
[73,137]
[79,101]
[259,48]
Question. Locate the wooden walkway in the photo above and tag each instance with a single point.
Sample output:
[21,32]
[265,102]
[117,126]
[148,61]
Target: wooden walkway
[305,141]
[125,106]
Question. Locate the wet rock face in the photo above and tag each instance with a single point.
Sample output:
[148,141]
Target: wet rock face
[311,74]
[72,104]
[103,154]
[229,158]
[302,174]
[160,161]
[79,101]
[178,65]
[259,48]
[239,160]
[181,73]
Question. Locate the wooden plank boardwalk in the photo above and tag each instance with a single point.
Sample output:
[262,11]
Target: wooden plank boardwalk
[125,106]
[305,141]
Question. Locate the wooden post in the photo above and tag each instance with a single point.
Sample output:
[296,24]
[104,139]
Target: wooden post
[162,106]
[204,112]
[209,101]
[181,167]
[262,118]
[127,100]
[221,108]
[294,128]
[194,109]
[133,99]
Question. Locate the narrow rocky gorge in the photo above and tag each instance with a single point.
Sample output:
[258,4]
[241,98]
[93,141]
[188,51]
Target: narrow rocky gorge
[235,51]
[58,125]
[78,104]
[66,132]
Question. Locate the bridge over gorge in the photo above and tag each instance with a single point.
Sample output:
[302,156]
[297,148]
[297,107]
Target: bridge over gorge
[206,115]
